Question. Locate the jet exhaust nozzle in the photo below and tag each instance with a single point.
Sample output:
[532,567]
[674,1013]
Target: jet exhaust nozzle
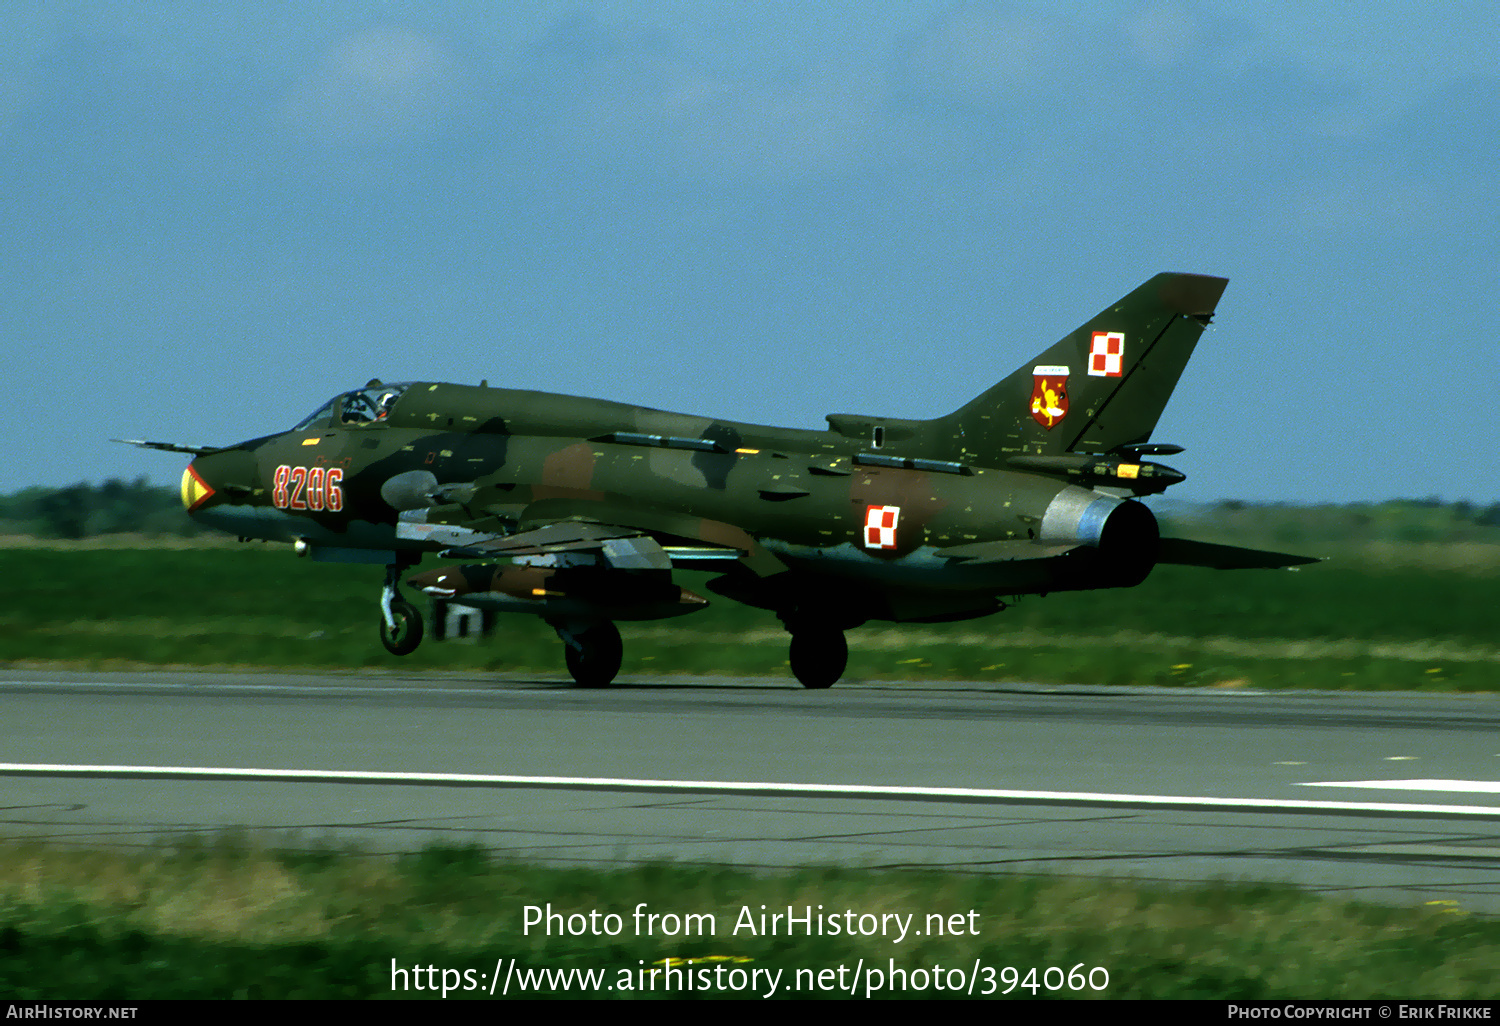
[1123,533]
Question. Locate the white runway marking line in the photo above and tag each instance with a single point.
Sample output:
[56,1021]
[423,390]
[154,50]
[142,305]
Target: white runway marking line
[768,789]
[1455,786]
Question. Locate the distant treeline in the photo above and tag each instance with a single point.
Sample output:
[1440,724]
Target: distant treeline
[1401,521]
[1462,511]
[137,507]
[86,510]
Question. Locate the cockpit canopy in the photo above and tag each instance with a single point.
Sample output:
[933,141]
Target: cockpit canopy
[369,405]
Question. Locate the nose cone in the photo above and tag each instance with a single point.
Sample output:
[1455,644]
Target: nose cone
[195,489]
[217,478]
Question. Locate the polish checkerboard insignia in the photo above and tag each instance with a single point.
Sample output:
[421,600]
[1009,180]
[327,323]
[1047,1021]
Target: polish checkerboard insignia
[880,526]
[1107,354]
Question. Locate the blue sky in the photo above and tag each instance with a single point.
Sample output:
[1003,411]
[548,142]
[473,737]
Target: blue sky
[215,216]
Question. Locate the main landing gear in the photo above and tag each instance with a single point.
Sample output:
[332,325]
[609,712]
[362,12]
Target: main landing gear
[818,654]
[400,621]
[593,651]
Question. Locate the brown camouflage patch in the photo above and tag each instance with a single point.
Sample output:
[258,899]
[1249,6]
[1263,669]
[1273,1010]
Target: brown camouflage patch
[910,491]
[568,473]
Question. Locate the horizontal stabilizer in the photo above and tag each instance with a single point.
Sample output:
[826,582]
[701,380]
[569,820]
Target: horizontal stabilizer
[1186,552]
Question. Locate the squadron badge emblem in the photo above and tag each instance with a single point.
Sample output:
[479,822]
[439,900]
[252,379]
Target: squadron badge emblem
[1049,395]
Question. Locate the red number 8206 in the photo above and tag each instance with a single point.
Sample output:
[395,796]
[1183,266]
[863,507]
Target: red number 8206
[310,488]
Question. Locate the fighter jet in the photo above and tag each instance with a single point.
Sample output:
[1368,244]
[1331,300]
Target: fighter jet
[579,510]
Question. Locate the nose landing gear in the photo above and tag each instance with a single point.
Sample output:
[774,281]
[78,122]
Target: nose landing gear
[400,622]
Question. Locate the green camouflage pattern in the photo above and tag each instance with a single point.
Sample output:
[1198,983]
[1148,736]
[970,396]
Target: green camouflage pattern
[578,510]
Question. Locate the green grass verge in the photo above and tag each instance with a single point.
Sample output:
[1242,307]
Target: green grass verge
[1419,617]
[228,919]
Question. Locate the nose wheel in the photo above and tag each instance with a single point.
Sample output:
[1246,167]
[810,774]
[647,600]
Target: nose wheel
[400,622]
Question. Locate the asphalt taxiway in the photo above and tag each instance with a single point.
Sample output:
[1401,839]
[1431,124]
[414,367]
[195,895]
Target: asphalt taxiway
[1380,796]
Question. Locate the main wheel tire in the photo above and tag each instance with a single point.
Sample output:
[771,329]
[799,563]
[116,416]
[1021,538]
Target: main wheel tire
[408,633]
[818,657]
[595,665]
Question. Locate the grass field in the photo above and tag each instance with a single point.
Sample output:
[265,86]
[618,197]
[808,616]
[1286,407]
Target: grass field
[1389,616]
[229,920]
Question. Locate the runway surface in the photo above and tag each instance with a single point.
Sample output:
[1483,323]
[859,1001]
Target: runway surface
[1375,796]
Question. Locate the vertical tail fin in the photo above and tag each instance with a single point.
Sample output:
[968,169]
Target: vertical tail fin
[1103,386]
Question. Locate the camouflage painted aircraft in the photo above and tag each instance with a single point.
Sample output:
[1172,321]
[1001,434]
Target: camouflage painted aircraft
[579,510]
